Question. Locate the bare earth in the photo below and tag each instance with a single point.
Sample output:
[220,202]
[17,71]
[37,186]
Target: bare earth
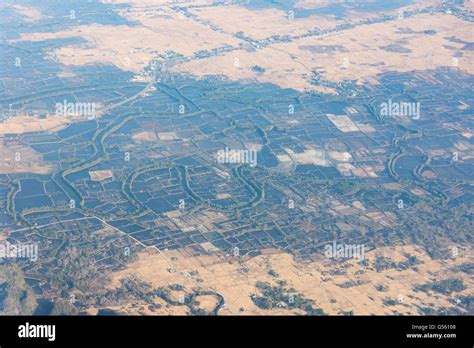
[357,54]
[316,280]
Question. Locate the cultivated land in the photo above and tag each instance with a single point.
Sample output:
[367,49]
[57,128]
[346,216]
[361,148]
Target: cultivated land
[132,209]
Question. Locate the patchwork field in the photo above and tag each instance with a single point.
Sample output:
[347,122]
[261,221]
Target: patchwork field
[214,158]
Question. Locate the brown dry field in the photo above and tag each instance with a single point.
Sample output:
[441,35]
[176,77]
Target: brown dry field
[25,124]
[144,137]
[318,280]
[152,3]
[31,161]
[261,23]
[313,4]
[133,48]
[290,65]
[29,13]
[469,4]
[368,50]
[100,175]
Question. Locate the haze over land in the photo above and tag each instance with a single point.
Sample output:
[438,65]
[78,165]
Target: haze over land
[239,157]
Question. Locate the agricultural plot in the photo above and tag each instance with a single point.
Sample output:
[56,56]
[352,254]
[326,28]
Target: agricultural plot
[202,164]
